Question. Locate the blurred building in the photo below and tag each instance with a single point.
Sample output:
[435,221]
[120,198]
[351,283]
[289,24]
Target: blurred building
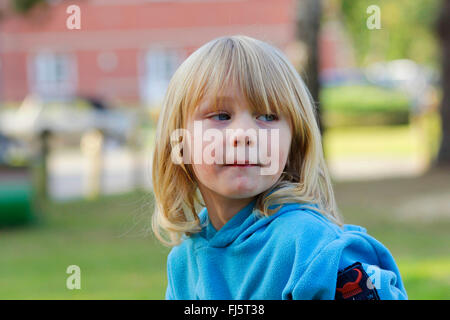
[125,50]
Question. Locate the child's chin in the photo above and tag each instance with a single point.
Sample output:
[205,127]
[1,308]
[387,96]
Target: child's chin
[241,192]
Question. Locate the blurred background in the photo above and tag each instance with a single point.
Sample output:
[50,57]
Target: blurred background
[81,83]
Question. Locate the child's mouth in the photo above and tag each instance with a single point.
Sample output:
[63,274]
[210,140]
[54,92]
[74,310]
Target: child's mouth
[242,165]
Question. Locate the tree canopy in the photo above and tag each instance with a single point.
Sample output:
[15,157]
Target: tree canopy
[407,30]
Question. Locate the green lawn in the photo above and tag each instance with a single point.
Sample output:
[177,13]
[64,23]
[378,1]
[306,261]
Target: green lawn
[106,238]
[419,139]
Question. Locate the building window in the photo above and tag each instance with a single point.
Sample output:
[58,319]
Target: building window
[159,65]
[53,75]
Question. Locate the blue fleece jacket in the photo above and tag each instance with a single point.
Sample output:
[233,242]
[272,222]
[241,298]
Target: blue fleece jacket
[296,253]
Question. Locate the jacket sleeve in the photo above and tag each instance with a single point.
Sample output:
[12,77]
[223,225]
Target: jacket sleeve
[343,267]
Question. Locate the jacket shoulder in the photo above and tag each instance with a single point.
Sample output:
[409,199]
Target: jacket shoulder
[305,231]
[306,223]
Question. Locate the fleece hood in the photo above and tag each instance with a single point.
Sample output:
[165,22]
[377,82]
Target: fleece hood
[240,226]
[295,253]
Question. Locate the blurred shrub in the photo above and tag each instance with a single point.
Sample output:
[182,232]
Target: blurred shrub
[363,105]
[23,6]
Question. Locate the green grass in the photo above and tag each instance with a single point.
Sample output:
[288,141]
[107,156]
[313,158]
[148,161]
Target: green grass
[106,238]
[398,141]
[419,139]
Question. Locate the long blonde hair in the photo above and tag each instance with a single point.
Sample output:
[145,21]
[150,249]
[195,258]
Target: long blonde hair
[268,82]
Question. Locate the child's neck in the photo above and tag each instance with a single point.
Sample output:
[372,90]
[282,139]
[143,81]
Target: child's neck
[222,209]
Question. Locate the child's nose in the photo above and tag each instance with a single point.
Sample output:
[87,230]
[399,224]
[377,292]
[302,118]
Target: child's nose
[243,133]
[242,139]
[243,130]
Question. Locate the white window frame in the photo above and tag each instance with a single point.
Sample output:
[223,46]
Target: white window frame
[157,66]
[53,75]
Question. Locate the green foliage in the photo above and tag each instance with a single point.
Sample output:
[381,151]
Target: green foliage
[407,30]
[350,105]
[363,99]
[23,6]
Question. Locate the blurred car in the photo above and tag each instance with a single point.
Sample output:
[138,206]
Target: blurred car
[66,118]
[13,152]
[415,80]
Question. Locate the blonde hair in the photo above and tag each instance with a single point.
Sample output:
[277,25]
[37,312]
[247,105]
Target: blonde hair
[268,81]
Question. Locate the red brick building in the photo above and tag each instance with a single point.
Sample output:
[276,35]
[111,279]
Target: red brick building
[125,50]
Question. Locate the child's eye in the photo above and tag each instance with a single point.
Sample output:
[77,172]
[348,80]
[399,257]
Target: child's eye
[220,116]
[268,117]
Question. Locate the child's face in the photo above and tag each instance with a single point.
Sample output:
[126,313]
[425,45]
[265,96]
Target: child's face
[224,177]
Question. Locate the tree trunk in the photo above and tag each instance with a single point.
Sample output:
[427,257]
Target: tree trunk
[443,158]
[308,27]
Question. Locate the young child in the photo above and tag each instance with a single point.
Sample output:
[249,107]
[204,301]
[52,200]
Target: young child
[245,223]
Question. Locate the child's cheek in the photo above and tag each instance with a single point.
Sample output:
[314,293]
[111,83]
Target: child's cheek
[203,157]
[279,146]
